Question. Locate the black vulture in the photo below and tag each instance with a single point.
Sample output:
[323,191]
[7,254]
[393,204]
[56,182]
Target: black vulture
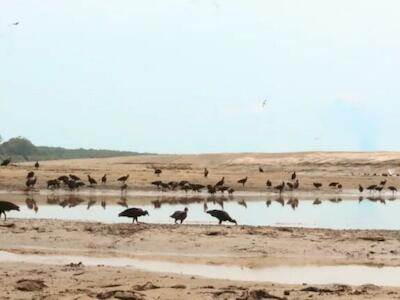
[261,170]
[53,184]
[221,215]
[383,182]
[164,186]
[72,184]
[221,182]
[30,174]
[180,215]
[157,183]
[91,180]
[186,187]
[205,172]
[280,187]
[392,189]
[222,188]
[123,178]
[134,213]
[74,177]
[290,185]
[243,181]
[296,184]
[317,185]
[333,184]
[37,165]
[230,191]
[64,179]
[173,185]
[104,179]
[157,171]
[211,189]
[294,176]
[183,182]
[360,188]
[7,206]
[268,183]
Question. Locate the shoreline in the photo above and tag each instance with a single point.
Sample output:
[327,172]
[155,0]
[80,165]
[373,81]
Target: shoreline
[181,194]
[241,246]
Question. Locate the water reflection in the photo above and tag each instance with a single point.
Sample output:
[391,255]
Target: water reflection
[373,212]
[123,202]
[31,204]
[91,202]
[242,203]
[343,274]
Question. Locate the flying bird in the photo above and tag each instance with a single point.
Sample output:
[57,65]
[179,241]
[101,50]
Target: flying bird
[264,103]
[15,23]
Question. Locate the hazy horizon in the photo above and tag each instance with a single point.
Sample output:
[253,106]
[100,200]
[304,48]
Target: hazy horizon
[190,77]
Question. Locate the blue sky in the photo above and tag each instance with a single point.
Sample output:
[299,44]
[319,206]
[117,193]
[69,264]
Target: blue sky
[190,76]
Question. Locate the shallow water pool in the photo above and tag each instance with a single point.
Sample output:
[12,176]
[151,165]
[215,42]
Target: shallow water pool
[336,213]
[343,274]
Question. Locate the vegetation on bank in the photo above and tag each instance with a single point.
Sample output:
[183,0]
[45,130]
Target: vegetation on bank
[22,149]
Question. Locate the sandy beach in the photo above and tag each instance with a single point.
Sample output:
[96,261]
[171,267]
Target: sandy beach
[347,168]
[211,245]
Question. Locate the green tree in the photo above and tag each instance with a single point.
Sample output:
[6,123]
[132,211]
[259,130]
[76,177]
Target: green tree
[19,146]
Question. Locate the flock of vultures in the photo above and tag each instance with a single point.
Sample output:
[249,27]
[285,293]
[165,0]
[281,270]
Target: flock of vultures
[73,183]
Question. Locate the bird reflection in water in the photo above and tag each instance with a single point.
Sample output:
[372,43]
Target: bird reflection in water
[123,202]
[31,204]
[91,202]
[242,203]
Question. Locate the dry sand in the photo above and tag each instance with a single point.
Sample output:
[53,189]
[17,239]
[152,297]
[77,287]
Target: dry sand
[227,245]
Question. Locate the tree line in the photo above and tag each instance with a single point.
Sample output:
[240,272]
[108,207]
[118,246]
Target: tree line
[22,149]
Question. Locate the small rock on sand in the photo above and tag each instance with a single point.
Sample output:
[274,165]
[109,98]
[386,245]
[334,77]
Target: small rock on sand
[178,286]
[123,295]
[147,286]
[30,285]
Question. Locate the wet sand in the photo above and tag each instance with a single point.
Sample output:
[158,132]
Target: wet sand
[211,245]
[205,244]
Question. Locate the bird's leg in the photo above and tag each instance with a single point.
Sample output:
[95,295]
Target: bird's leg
[5,216]
[220,222]
[181,221]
